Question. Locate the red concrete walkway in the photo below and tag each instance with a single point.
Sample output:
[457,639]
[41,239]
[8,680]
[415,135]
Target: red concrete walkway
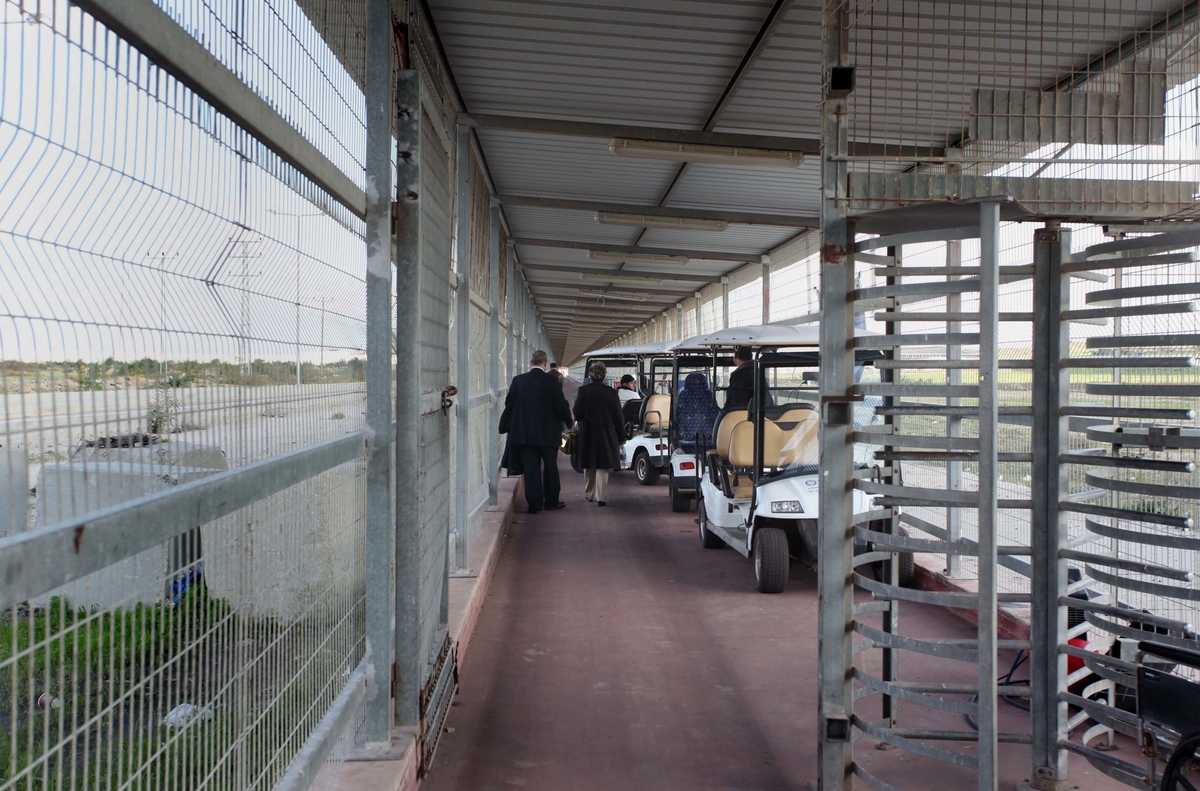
[614,653]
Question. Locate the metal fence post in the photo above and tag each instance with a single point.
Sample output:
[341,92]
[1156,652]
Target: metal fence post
[835,608]
[408,397]
[493,443]
[380,604]
[989,287]
[462,410]
[510,312]
[724,303]
[953,422]
[1050,484]
[766,289]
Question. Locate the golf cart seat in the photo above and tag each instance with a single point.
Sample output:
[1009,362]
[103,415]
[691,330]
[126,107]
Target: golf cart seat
[631,410]
[695,413]
[725,425]
[799,437]
[777,450]
[656,413]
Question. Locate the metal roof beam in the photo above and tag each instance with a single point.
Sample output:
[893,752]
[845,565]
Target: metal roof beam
[675,274]
[739,217]
[658,293]
[702,255]
[559,128]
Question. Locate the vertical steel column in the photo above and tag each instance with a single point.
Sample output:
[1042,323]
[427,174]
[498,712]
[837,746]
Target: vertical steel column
[699,295]
[679,321]
[462,306]
[953,422]
[408,396]
[1050,485]
[380,536]
[989,287]
[766,289]
[724,303]
[510,312]
[891,616]
[493,444]
[835,707]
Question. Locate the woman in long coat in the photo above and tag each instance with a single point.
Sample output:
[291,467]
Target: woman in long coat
[601,432]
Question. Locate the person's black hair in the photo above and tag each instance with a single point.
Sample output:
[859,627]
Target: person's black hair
[553,365]
[743,353]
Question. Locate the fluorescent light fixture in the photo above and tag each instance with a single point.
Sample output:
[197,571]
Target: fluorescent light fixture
[637,258]
[712,155]
[619,278]
[656,221]
[606,295]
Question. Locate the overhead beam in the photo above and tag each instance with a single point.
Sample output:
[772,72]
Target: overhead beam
[739,217]
[538,286]
[170,47]
[676,274]
[702,255]
[807,145]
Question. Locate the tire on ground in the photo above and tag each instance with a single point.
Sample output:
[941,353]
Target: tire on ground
[771,560]
[708,540]
[647,474]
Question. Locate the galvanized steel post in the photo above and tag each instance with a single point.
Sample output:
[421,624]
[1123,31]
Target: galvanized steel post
[989,322]
[953,422]
[836,602]
[1050,485]
[510,312]
[766,289]
[408,396]
[462,305]
[380,535]
[493,443]
[724,303]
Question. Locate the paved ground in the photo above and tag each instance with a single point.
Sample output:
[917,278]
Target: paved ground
[615,653]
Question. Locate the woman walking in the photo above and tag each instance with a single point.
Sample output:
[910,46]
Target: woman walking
[601,432]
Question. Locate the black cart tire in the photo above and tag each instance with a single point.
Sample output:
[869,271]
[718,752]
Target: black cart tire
[771,560]
[647,474]
[681,502]
[708,540]
[907,570]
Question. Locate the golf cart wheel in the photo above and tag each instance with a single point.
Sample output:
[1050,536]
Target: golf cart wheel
[681,502]
[771,560]
[647,474]
[708,540]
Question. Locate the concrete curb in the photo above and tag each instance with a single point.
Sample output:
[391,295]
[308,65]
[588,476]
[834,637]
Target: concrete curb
[1012,623]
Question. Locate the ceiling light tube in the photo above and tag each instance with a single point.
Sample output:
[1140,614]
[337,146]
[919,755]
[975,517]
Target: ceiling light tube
[711,155]
[606,295]
[637,258]
[656,221]
[621,278]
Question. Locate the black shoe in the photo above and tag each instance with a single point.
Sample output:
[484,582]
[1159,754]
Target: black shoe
[601,503]
[555,506]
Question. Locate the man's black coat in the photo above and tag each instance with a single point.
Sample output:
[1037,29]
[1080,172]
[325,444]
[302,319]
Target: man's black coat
[535,410]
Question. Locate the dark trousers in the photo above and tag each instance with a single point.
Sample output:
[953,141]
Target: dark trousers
[542,486]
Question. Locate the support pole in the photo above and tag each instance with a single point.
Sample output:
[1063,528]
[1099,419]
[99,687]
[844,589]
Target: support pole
[835,706]
[766,289]
[409,663]
[493,443]
[724,303]
[462,305]
[954,481]
[510,312]
[989,287]
[1050,485]
[380,591]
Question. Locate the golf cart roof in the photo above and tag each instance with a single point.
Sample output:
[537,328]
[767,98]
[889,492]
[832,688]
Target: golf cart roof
[642,350]
[770,335]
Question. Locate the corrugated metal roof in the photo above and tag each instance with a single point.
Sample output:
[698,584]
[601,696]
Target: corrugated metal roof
[571,167]
[571,226]
[655,61]
[795,191]
[739,238]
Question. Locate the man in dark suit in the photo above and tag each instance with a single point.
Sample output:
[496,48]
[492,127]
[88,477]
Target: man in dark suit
[741,381]
[535,412]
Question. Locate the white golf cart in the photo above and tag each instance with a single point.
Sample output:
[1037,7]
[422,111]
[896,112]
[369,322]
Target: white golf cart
[697,375]
[647,419]
[759,480]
